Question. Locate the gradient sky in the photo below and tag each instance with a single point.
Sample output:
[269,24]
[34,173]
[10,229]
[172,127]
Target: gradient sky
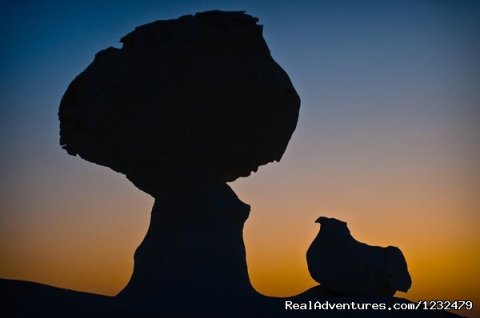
[387,141]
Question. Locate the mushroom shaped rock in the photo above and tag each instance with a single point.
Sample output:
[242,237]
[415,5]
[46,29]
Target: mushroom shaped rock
[345,266]
[196,97]
[183,107]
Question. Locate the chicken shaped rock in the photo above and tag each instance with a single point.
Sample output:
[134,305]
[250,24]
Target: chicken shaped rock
[345,266]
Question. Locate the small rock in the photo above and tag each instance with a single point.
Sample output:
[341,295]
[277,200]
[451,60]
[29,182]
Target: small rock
[343,265]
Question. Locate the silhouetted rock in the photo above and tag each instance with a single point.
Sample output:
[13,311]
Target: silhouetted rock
[193,256]
[183,107]
[198,96]
[345,266]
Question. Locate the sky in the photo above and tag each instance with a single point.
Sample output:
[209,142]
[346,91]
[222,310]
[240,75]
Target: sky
[387,140]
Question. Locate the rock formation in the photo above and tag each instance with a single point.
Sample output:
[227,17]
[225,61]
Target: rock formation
[195,97]
[345,266]
[183,107]
[193,257]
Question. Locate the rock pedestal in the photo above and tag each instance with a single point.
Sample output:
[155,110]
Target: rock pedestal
[193,256]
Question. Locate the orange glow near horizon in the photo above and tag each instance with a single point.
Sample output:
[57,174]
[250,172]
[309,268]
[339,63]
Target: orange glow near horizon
[434,223]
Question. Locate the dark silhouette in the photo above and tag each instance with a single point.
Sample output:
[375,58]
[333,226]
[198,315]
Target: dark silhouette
[193,256]
[184,106]
[195,98]
[345,266]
